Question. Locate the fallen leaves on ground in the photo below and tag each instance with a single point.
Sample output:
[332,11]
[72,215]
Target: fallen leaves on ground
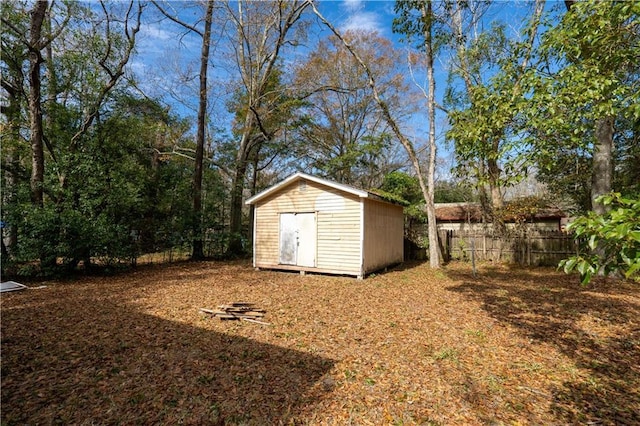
[410,346]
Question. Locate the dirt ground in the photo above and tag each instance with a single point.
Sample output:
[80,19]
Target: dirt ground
[410,346]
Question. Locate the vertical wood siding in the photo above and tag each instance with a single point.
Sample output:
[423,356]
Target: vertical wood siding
[383,235]
[338,223]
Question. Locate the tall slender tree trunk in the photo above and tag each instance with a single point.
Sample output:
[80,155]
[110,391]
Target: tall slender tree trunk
[235,221]
[258,51]
[198,252]
[254,183]
[12,112]
[435,255]
[35,103]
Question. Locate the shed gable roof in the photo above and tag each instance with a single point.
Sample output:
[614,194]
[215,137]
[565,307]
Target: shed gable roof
[303,176]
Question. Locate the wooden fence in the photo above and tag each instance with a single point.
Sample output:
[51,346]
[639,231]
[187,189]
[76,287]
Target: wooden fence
[528,248]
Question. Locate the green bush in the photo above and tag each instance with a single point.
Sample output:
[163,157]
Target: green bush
[610,243]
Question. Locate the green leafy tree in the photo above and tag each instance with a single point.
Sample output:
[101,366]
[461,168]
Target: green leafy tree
[14,146]
[484,112]
[64,59]
[584,95]
[610,242]
[119,198]
[406,189]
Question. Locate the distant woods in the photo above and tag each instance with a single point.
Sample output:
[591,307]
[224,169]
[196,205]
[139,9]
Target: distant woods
[103,164]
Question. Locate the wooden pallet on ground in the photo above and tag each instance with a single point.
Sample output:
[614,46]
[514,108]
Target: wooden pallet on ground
[237,311]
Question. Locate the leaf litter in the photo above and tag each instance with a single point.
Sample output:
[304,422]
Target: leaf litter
[411,346]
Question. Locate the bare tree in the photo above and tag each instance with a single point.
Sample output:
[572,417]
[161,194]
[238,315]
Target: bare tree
[262,29]
[197,250]
[346,137]
[435,256]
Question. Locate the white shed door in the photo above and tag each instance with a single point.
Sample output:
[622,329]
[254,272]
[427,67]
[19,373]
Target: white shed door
[306,239]
[298,239]
[288,238]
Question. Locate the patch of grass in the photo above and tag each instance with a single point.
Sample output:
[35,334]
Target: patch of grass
[214,413]
[349,375]
[530,366]
[594,382]
[517,407]
[136,398]
[572,370]
[477,334]
[446,353]
[494,383]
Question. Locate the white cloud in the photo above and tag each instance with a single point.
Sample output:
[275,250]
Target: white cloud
[153,31]
[368,21]
[353,5]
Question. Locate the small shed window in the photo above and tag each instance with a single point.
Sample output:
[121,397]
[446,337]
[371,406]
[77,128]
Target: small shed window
[302,185]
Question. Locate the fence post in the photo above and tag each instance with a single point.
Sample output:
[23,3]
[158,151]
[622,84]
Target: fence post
[484,244]
[473,255]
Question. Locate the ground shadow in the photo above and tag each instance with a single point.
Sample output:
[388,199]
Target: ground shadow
[548,307]
[98,360]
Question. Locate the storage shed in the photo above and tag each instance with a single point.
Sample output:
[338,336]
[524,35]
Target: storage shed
[306,223]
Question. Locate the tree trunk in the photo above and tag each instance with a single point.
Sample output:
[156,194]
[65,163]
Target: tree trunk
[257,55]
[254,183]
[235,225]
[35,103]
[601,176]
[198,252]
[602,170]
[497,201]
[435,255]
[12,112]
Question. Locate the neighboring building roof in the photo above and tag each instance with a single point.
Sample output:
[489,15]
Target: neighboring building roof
[458,212]
[303,176]
[472,212]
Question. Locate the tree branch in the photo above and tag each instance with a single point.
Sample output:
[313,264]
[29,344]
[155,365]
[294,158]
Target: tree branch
[113,76]
[176,20]
[19,34]
[61,27]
